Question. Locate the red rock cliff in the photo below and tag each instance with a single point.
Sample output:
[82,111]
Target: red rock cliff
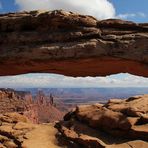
[38,110]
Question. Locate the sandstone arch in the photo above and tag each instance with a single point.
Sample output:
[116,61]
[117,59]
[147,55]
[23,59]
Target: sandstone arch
[71,44]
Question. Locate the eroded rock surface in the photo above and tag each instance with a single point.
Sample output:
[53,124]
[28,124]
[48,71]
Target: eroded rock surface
[16,131]
[71,44]
[118,123]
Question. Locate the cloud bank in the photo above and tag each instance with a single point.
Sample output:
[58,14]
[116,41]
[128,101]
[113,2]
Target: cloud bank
[51,80]
[101,9]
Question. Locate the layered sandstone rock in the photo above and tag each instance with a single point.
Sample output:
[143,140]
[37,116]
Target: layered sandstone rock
[71,44]
[118,123]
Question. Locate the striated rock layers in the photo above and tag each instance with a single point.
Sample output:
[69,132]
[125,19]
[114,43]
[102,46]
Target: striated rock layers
[38,110]
[116,124]
[71,44]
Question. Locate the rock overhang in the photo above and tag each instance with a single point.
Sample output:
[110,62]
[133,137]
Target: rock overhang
[71,44]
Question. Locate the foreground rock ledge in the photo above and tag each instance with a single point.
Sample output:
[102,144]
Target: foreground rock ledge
[16,131]
[71,44]
[116,124]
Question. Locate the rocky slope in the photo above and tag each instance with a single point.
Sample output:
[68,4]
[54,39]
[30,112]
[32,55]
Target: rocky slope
[38,110]
[71,44]
[17,132]
[117,124]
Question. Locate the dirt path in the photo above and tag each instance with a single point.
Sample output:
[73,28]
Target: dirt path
[41,137]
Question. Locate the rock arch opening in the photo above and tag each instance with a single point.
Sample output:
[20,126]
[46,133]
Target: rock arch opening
[45,80]
[37,95]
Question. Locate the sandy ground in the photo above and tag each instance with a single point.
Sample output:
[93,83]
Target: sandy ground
[41,137]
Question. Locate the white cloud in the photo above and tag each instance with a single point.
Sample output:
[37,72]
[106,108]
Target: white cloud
[51,80]
[100,9]
[141,14]
[131,15]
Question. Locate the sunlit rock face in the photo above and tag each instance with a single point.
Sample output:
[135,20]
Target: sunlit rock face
[118,123]
[71,44]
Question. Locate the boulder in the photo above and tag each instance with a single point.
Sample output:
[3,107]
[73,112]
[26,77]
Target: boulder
[110,125]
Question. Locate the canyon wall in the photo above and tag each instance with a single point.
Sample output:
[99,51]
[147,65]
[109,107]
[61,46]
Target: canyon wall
[38,109]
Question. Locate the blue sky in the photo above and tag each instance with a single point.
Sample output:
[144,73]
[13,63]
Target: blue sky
[8,6]
[134,10]
[132,7]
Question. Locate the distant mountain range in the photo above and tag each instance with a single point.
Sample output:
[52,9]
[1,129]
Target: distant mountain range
[89,95]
